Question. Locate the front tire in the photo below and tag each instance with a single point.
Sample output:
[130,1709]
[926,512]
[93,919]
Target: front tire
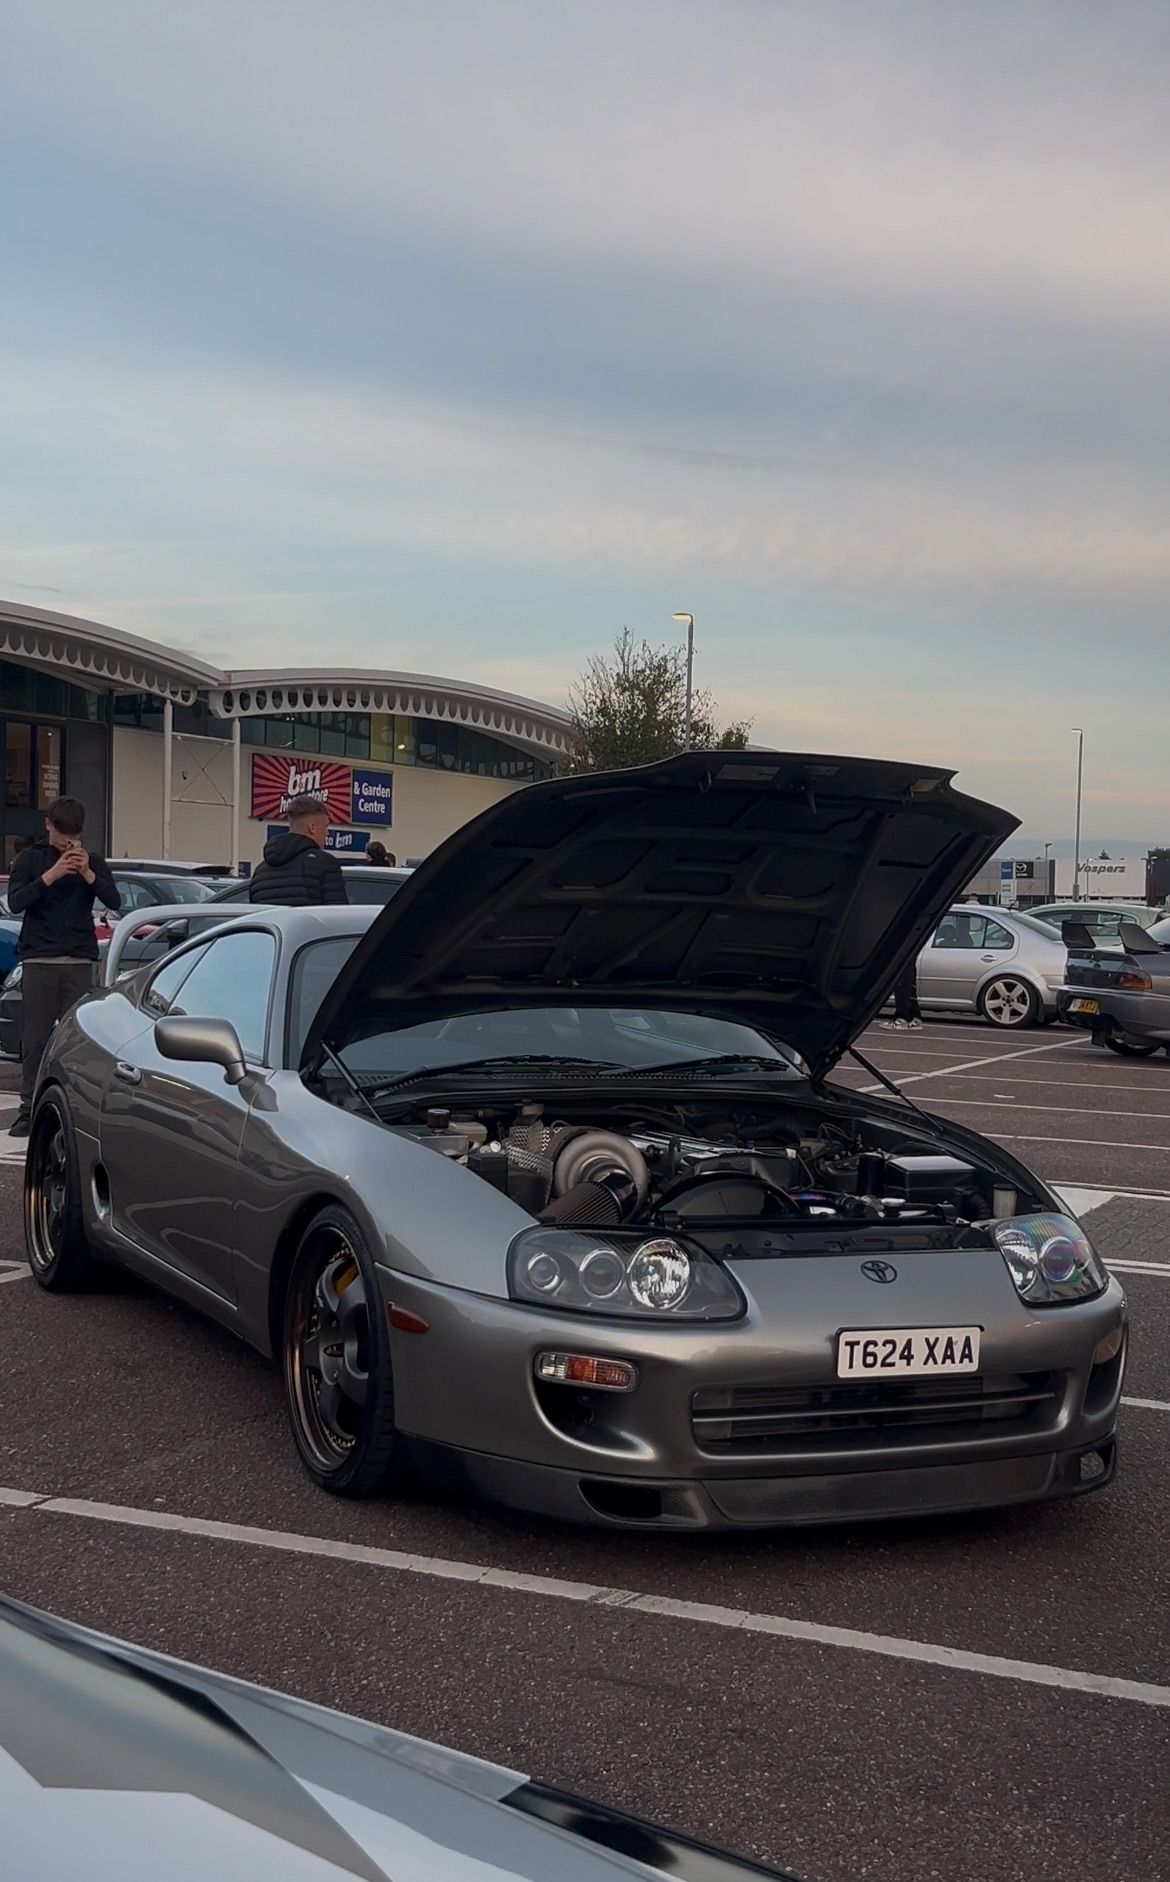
[1010,1003]
[1131,1048]
[336,1358]
[55,1240]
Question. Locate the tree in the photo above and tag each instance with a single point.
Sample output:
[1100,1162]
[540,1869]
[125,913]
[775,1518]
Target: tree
[630,709]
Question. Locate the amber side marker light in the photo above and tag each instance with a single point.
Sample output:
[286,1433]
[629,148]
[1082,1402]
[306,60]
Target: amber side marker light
[607,1375]
[405,1321]
[1109,1347]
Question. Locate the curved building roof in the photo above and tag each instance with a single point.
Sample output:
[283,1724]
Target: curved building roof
[105,658]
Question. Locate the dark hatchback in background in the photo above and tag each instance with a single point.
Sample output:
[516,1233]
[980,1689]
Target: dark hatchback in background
[1119,993]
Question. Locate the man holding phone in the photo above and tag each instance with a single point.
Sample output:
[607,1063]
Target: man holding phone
[53,886]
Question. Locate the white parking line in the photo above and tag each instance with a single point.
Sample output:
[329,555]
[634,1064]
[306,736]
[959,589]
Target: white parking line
[1147,1404]
[1062,1084]
[968,1065]
[657,1607]
[1051,1110]
[1092,1143]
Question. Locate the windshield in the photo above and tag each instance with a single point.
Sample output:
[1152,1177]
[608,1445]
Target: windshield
[1035,925]
[185,889]
[632,1037]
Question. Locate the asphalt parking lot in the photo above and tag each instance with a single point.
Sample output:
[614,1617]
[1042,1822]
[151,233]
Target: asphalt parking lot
[968,1698]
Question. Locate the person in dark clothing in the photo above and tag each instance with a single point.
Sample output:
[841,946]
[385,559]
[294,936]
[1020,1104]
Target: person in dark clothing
[378,854]
[907,1012]
[53,887]
[296,871]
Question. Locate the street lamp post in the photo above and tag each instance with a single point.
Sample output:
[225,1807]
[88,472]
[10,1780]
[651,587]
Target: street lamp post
[1047,874]
[1077,837]
[690,621]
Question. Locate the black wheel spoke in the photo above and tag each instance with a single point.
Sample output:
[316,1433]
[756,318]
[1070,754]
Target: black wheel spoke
[332,1380]
[354,1379]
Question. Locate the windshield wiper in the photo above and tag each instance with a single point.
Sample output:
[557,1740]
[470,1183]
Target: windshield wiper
[508,1060]
[723,1061]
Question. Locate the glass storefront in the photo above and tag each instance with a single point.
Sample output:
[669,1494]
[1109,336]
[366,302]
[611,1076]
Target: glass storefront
[54,738]
[387,737]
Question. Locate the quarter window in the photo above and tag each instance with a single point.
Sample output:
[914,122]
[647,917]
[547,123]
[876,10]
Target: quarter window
[160,994]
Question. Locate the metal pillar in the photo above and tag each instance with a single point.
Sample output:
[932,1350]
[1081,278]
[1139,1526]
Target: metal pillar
[235,855]
[168,734]
[1076,894]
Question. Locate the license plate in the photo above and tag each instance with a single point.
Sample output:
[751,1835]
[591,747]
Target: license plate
[907,1352]
[1084,1006]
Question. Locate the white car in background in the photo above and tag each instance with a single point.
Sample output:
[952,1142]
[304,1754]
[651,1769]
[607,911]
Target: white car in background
[997,962]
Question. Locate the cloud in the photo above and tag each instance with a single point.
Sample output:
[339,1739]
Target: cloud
[294,457]
[868,142]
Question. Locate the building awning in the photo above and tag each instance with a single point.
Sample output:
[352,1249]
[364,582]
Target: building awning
[524,723]
[110,661]
[102,657]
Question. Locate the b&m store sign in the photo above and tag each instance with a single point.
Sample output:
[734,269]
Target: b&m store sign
[349,794]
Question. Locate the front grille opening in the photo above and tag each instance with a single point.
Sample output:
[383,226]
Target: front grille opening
[777,1420]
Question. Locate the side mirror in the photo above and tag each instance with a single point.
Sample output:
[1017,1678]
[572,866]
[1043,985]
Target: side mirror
[205,1041]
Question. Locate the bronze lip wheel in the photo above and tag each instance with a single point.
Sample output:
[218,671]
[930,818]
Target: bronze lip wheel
[328,1350]
[48,1194]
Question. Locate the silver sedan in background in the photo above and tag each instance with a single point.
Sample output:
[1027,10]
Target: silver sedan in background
[997,962]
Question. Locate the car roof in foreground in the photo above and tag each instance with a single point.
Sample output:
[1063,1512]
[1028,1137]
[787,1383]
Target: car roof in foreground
[128,1762]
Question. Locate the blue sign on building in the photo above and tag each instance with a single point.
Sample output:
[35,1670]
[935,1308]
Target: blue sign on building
[372,796]
[341,842]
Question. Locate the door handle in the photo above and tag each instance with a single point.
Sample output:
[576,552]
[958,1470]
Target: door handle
[989,957]
[127,1074]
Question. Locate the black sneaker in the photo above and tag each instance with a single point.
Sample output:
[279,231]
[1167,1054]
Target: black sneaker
[20,1124]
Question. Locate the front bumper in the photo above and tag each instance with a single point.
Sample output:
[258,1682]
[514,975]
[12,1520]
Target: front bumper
[471,1409]
[1139,1016]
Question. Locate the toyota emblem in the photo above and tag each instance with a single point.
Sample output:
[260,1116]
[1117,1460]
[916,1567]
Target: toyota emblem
[880,1271]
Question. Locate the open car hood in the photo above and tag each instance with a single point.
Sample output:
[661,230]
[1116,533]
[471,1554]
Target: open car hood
[780,890]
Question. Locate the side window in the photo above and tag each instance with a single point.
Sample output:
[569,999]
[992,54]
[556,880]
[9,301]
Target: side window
[134,895]
[233,981]
[165,984]
[954,931]
[994,936]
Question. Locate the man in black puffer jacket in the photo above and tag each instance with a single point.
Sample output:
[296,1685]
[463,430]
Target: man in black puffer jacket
[296,871]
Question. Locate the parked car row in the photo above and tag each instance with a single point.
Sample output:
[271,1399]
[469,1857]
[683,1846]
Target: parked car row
[167,924]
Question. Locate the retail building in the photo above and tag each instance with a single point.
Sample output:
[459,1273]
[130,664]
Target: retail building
[178,759]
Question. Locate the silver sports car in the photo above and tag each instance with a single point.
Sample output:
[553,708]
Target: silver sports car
[532,1181]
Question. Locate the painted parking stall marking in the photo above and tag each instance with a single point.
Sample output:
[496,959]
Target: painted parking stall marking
[702,1613]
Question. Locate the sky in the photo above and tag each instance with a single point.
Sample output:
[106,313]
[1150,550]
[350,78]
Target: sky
[454,336]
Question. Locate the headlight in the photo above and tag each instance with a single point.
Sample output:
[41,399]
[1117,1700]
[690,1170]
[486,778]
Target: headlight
[13,979]
[632,1277]
[1050,1259]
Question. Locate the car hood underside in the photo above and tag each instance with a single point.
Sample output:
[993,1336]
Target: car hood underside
[784,891]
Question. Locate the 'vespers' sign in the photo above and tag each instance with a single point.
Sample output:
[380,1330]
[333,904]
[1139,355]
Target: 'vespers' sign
[277,780]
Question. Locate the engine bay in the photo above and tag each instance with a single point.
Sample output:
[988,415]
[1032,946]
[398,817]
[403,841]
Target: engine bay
[756,1178]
